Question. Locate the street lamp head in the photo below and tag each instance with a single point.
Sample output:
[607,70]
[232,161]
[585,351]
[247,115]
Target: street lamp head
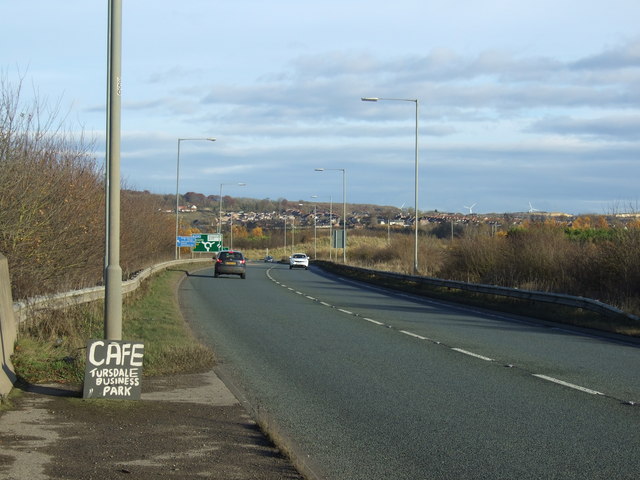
[242,184]
[319,169]
[369,99]
[210,139]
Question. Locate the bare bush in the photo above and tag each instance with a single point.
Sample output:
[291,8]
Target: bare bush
[52,205]
[147,233]
[50,192]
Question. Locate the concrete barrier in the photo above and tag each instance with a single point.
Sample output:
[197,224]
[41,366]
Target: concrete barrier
[7,329]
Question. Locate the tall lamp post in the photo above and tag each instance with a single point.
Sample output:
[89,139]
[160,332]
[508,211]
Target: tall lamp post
[344,209]
[112,269]
[315,227]
[178,184]
[414,100]
[220,202]
[315,222]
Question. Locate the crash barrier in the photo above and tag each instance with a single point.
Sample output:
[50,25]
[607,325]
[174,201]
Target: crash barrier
[12,315]
[531,295]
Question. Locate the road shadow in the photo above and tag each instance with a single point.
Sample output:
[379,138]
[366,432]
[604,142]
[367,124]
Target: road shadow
[189,274]
[57,390]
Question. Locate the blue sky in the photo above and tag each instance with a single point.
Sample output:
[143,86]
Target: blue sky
[521,102]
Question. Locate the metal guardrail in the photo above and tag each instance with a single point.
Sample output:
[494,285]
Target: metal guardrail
[22,310]
[536,296]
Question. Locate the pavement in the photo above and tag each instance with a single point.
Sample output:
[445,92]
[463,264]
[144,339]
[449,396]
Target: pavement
[184,426]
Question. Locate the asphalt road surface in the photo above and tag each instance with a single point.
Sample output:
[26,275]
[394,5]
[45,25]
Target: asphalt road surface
[361,383]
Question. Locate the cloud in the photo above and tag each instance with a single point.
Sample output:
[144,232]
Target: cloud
[625,55]
[624,128]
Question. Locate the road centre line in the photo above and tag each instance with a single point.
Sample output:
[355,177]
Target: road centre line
[567,384]
[471,354]
[411,334]
[420,337]
[372,321]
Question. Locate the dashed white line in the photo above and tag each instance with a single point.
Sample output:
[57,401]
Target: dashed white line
[411,334]
[372,321]
[567,384]
[459,350]
[466,352]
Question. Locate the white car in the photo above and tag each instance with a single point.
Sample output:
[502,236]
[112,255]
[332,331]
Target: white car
[299,260]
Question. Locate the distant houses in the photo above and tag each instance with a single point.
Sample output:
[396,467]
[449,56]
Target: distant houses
[187,208]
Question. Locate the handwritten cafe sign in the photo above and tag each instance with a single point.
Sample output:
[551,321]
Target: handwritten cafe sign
[114,369]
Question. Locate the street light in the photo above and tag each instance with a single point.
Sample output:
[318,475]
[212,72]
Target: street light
[315,228]
[414,100]
[293,229]
[344,209]
[178,184]
[112,268]
[220,202]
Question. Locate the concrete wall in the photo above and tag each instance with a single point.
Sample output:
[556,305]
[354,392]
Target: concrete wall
[7,329]
[13,314]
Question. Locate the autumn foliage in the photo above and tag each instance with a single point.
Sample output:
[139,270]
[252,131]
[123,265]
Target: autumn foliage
[590,258]
[52,205]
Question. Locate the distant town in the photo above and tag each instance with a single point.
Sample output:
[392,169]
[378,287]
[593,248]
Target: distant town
[324,215]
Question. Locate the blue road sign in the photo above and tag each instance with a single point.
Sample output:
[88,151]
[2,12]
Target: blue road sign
[186,241]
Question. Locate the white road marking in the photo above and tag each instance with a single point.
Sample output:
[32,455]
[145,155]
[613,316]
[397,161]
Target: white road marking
[567,384]
[373,321]
[459,350]
[413,335]
[466,352]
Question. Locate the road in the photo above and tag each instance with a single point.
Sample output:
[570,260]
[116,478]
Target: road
[361,383]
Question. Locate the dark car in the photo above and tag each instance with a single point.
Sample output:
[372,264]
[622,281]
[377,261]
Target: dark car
[268,259]
[230,262]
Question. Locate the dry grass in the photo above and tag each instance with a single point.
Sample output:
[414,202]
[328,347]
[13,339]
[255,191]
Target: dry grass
[52,347]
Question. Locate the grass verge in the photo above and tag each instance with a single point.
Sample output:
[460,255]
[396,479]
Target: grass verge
[52,347]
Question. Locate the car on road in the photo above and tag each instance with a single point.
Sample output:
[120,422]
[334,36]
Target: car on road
[299,260]
[230,262]
[268,259]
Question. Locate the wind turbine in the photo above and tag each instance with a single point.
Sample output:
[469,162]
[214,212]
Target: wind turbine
[531,209]
[470,208]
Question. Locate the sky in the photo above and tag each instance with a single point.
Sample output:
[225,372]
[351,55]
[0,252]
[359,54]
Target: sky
[521,104]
